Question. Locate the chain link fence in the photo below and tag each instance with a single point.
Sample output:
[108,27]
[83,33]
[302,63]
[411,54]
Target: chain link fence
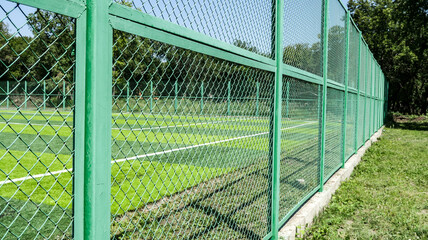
[176,119]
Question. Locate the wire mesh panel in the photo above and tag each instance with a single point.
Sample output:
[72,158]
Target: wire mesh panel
[350,125]
[336,42]
[361,120]
[196,131]
[302,31]
[354,40]
[367,118]
[300,143]
[196,166]
[333,131]
[246,24]
[36,132]
[369,75]
[363,68]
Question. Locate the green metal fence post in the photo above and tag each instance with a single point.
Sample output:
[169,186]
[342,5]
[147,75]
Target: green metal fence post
[257,98]
[202,97]
[365,94]
[324,98]
[25,95]
[276,117]
[175,96]
[345,110]
[374,97]
[287,98]
[79,132]
[7,94]
[151,96]
[371,97]
[358,94]
[98,115]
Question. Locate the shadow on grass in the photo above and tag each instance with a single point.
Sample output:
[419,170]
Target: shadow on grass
[419,126]
[28,220]
[235,205]
[408,123]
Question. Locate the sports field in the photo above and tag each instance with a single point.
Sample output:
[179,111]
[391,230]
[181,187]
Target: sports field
[153,156]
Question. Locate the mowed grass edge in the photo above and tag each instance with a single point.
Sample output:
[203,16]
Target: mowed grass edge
[386,196]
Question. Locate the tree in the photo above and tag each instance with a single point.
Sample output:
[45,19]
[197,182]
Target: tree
[397,34]
[303,56]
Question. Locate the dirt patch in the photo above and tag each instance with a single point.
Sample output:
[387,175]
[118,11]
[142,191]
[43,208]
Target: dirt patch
[405,119]
[419,119]
[400,118]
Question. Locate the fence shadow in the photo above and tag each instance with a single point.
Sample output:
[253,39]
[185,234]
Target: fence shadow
[397,121]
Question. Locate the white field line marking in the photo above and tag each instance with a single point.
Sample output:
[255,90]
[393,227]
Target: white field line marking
[169,126]
[200,145]
[34,124]
[151,154]
[130,129]
[35,176]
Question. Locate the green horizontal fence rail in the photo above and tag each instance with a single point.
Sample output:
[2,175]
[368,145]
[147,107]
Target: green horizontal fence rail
[178,119]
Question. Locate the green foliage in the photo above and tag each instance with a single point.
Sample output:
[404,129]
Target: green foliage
[397,34]
[46,56]
[304,56]
[336,53]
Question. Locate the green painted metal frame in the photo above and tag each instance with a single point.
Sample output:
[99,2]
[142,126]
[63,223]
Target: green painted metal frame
[324,92]
[139,17]
[79,128]
[358,93]
[98,115]
[180,41]
[95,20]
[301,74]
[277,118]
[345,110]
[71,8]
[365,92]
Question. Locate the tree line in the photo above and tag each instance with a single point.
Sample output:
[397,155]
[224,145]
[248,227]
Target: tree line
[396,31]
[138,63]
[48,57]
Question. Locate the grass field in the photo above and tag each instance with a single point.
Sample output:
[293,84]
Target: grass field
[155,156]
[386,196]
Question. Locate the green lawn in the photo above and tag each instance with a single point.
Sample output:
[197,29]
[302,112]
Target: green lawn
[228,151]
[387,194]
